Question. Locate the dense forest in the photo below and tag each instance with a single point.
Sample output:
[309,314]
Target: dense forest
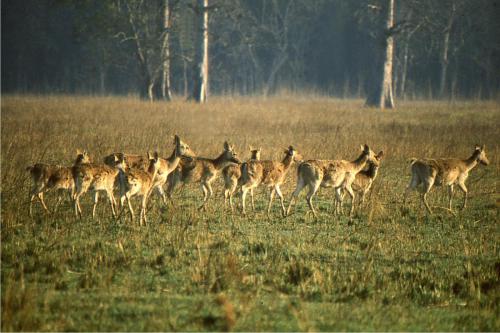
[442,49]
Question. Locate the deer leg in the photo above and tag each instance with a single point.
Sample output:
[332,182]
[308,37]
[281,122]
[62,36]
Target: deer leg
[295,194]
[96,199]
[339,195]
[112,202]
[143,209]
[205,195]
[161,192]
[32,198]
[462,186]
[415,181]
[313,188]
[427,187]
[271,198]
[231,192]
[131,211]
[244,191]
[450,196]
[282,201]
[40,197]
[352,195]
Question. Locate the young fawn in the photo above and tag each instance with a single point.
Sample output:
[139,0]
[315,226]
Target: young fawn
[95,177]
[202,170]
[364,179]
[444,171]
[269,173]
[339,174]
[166,165]
[139,182]
[47,177]
[232,174]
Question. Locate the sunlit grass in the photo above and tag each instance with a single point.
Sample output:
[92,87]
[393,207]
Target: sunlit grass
[387,269]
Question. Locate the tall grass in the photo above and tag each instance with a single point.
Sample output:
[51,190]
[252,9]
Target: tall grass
[387,269]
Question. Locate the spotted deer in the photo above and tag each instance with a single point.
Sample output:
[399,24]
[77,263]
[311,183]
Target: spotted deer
[139,182]
[48,177]
[202,170]
[96,177]
[269,173]
[364,179]
[339,174]
[166,165]
[445,172]
[232,174]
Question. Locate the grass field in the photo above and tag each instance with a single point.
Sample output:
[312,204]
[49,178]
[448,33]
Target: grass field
[386,269]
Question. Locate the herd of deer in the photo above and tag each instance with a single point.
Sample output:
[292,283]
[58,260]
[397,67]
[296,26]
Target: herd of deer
[141,175]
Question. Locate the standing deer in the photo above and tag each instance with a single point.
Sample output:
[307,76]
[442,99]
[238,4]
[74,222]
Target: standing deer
[232,174]
[339,174]
[139,182]
[364,179]
[269,173]
[202,170]
[166,165]
[444,171]
[95,177]
[48,177]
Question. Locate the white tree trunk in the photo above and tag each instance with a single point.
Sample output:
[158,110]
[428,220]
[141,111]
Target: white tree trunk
[382,95]
[167,23]
[200,86]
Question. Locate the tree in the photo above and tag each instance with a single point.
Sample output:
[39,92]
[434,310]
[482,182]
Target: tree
[200,76]
[382,94]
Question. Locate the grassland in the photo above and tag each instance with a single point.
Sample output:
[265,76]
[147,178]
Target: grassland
[386,269]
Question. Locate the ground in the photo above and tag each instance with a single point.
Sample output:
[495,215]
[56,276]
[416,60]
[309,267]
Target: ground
[387,268]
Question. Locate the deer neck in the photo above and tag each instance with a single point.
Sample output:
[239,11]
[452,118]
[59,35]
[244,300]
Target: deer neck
[471,162]
[152,171]
[359,163]
[372,171]
[220,162]
[287,161]
[173,160]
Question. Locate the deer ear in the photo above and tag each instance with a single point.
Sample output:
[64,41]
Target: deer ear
[226,145]
[361,147]
[477,147]
[380,154]
[150,157]
[156,156]
[176,139]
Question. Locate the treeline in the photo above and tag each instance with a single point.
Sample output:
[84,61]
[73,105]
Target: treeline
[443,49]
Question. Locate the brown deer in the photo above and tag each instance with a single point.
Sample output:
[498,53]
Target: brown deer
[139,182]
[443,171]
[48,177]
[202,170]
[364,179]
[232,174]
[166,166]
[96,177]
[339,174]
[269,173]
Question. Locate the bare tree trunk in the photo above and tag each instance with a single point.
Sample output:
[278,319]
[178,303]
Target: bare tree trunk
[200,86]
[382,96]
[167,24]
[444,55]
[148,81]
[277,64]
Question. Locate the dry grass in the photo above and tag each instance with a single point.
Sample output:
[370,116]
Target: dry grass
[189,270]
